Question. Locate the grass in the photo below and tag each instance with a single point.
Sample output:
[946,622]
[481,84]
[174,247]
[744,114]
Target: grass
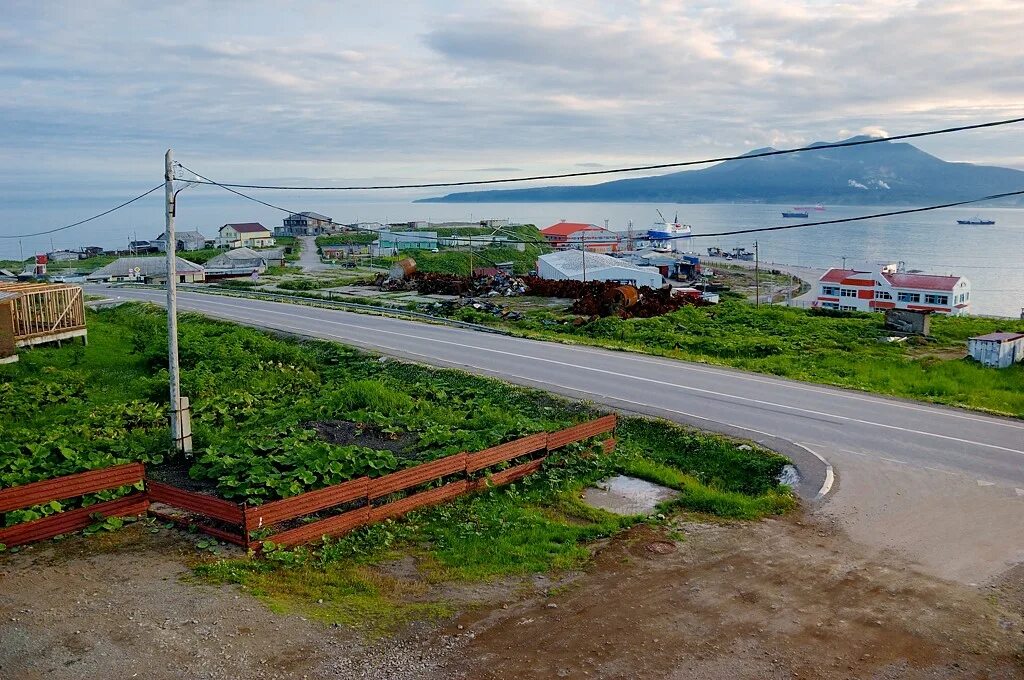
[63,410]
[834,349]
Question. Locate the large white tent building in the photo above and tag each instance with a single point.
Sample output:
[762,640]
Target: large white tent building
[579,265]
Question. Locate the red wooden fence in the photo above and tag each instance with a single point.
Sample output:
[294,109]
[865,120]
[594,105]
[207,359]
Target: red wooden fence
[241,520]
[70,486]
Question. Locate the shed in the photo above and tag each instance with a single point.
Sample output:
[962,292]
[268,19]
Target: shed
[239,261]
[38,313]
[148,270]
[580,265]
[1000,350]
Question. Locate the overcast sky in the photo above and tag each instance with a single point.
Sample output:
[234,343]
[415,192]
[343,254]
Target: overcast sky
[94,92]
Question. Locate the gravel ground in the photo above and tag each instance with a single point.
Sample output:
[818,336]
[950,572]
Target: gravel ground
[790,597]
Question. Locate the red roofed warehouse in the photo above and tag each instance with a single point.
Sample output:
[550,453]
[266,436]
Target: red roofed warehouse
[245,235]
[576,235]
[859,291]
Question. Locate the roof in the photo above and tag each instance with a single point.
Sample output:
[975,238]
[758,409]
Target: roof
[247,227]
[410,235]
[837,275]
[192,233]
[999,337]
[567,228]
[239,257]
[148,266]
[571,262]
[311,215]
[922,281]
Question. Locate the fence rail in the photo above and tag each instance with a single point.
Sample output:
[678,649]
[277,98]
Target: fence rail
[235,522]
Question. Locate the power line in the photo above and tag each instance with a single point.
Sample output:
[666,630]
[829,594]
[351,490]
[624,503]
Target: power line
[88,219]
[635,168]
[752,230]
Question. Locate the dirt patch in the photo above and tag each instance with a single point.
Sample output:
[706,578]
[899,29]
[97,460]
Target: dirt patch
[780,598]
[175,473]
[346,432]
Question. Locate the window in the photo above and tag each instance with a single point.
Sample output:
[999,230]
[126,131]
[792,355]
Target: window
[882,295]
[908,297]
[829,305]
[830,290]
[849,292]
[847,308]
[936,299]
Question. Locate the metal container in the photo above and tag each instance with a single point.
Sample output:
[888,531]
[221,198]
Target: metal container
[403,269]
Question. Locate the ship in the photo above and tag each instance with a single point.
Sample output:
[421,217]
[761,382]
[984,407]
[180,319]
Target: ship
[667,232]
[794,213]
[976,221]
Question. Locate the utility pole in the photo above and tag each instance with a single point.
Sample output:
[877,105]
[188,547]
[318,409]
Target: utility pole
[757,276]
[181,435]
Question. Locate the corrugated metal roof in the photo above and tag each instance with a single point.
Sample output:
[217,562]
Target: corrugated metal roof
[148,266]
[567,228]
[837,275]
[570,262]
[247,227]
[999,337]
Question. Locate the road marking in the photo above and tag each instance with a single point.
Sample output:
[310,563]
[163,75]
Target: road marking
[689,366]
[830,477]
[616,375]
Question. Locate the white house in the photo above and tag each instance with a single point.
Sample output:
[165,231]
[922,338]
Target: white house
[580,265]
[245,235]
[860,291]
[1001,350]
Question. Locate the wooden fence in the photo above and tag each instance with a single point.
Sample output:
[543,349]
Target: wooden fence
[71,486]
[361,501]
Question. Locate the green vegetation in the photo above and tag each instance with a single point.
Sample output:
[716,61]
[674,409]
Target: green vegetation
[254,396]
[458,261]
[843,349]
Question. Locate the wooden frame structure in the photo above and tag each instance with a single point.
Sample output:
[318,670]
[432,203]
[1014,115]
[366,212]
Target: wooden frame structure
[43,312]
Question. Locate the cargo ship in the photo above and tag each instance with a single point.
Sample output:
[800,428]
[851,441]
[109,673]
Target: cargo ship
[663,230]
[794,213]
[976,221]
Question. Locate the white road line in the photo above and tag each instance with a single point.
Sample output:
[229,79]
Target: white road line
[733,373]
[830,477]
[629,377]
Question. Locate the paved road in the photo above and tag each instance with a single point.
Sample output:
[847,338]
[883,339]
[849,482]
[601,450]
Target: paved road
[309,258]
[987,449]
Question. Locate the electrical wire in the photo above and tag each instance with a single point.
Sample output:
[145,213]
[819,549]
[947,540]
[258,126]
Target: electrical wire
[635,168]
[88,219]
[752,230]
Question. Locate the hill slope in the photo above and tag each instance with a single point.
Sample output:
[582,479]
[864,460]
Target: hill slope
[885,173]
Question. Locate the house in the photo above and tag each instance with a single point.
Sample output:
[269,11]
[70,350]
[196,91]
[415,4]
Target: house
[184,240]
[304,224]
[579,235]
[671,265]
[244,234]
[860,291]
[274,257]
[63,256]
[1000,350]
[148,270]
[344,251]
[581,265]
[137,247]
[391,242]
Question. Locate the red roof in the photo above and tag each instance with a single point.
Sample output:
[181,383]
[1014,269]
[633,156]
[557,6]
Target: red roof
[836,275]
[568,228]
[922,281]
[247,227]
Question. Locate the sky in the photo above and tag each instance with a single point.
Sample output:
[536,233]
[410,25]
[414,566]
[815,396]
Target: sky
[336,92]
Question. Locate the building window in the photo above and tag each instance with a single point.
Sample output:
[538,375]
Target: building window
[847,308]
[829,305]
[830,290]
[908,297]
[933,299]
[882,295]
[849,292]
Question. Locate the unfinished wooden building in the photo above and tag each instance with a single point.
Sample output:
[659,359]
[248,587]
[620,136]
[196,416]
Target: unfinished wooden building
[38,313]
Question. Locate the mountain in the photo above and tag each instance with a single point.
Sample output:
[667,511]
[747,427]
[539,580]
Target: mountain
[873,174]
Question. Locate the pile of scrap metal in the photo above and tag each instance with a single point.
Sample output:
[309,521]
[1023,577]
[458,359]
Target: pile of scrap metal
[608,298]
[403,276]
[450,307]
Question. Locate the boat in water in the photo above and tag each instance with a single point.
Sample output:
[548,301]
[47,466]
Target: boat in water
[976,221]
[665,230]
[794,213]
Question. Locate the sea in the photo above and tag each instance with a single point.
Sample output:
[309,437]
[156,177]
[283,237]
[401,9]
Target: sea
[992,257]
